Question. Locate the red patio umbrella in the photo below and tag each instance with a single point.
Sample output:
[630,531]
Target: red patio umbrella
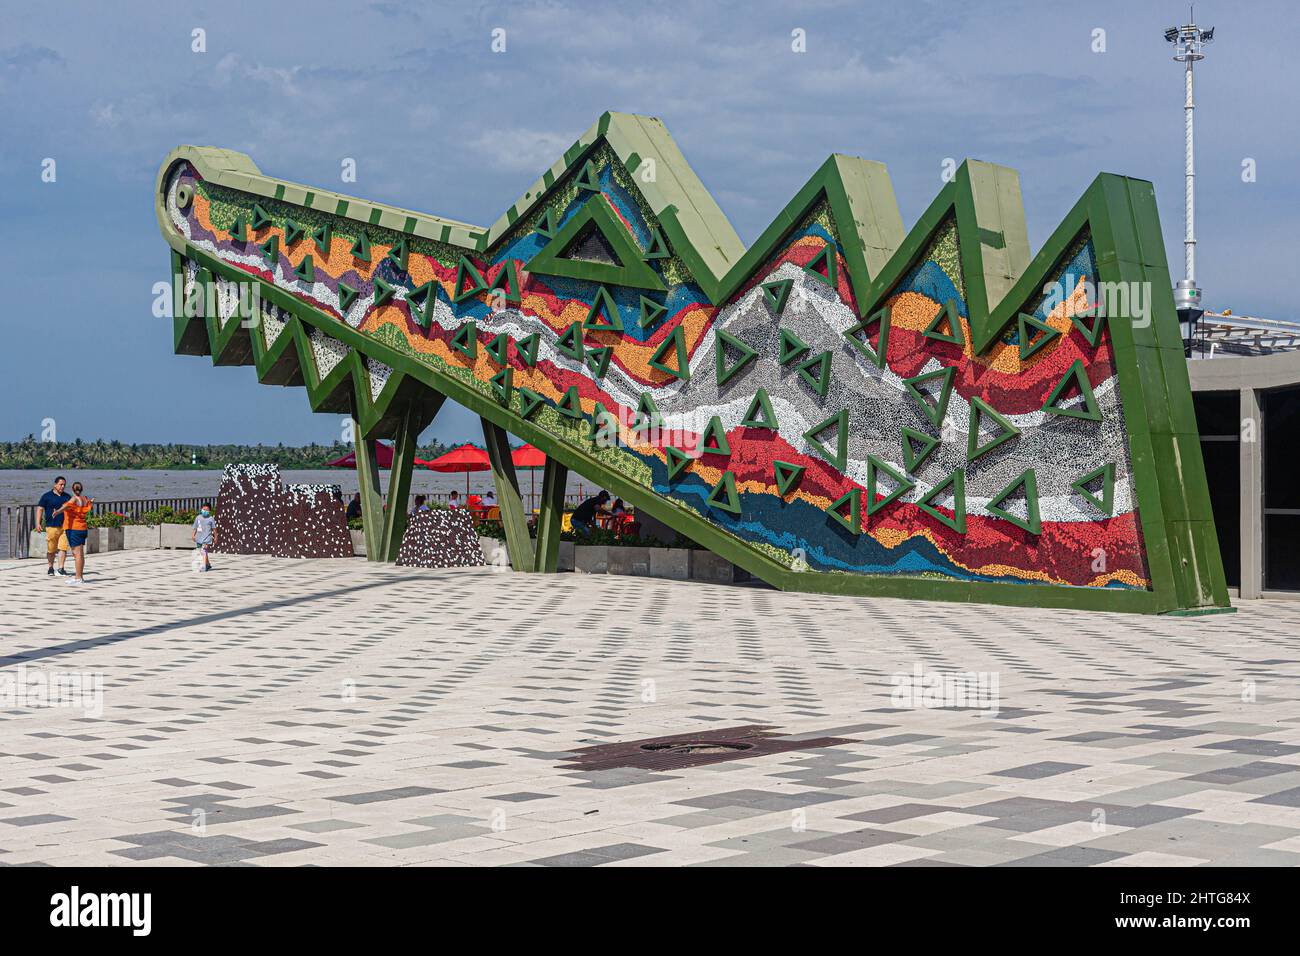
[383,453]
[466,458]
[526,456]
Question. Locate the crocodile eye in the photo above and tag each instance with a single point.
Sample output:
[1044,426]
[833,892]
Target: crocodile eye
[184,193]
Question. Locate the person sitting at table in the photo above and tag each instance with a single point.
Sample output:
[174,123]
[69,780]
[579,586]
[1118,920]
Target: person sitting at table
[419,504]
[453,500]
[584,516]
[618,509]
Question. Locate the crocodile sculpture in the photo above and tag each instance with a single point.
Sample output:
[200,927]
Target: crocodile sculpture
[843,407]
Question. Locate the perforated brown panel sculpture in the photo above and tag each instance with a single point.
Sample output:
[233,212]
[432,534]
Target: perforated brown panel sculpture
[440,539]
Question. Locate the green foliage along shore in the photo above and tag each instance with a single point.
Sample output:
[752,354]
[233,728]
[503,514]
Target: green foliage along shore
[30,453]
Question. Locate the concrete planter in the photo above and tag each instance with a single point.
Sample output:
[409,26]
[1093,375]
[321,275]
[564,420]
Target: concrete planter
[103,540]
[707,566]
[671,563]
[565,561]
[495,551]
[176,536]
[141,537]
[358,542]
[591,559]
[633,561]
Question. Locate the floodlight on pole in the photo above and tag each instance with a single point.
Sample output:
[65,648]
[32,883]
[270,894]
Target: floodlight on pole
[1189,41]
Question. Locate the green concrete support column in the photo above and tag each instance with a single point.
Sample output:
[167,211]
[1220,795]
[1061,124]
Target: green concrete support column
[551,516]
[383,527]
[372,498]
[399,481]
[518,543]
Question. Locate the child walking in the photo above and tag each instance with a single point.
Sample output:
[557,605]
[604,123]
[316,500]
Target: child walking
[205,535]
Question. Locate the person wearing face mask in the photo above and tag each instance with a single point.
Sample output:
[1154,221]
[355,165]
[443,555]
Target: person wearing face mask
[205,535]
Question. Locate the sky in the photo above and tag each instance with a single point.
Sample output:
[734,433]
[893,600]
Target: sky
[437,121]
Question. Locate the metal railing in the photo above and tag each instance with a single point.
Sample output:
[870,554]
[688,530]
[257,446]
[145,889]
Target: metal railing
[17,522]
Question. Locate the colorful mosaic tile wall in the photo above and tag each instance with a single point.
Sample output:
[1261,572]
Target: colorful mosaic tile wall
[824,438]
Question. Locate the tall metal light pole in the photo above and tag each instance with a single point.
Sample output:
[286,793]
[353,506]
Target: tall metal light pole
[1189,41]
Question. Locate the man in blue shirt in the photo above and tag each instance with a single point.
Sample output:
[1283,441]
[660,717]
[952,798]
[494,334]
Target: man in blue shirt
[52,524]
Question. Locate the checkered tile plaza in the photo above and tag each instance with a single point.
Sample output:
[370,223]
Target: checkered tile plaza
[279,713]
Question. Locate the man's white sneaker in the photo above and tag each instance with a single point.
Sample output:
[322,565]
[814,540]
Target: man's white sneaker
[75,581]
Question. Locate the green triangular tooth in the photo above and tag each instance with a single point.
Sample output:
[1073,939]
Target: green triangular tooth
[502,384]
[876,356]
[760,404]
[259,218]
[957,520]
[1025,323]
[647,414]
[305,270]
[603,305]
[913,459]
[469,281]
[400,253]
[714,432]
[724,496]
[527,349]
[955,335]
[628,269]
[839,457]
[529,402]
[589,179]
[321,237]
[787,474]
[293,232]
[676,341]
[939,409]
[597,359]
[347,295]
[826,259]
[874,467]
[677,461]
[508,281]
[1077,376]
[747,355]
[821,381]
[499,348]
[570,404]
[239,231]
[361,248]
[465,339]
[1106,503]
[651,312]
[792,347]
[600,415]
[1034,524]
[979,410]
[658,248]
[421,302]
[271,250]
[383,291]
[853,520]
[546,225]
[570,342]
[776,292]
[1092,333]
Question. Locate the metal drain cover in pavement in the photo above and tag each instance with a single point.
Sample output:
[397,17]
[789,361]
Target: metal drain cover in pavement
[694,750]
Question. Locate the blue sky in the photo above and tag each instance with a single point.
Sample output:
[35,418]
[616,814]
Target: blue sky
[438,122]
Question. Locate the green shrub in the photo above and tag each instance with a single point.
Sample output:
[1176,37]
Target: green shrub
[107,519]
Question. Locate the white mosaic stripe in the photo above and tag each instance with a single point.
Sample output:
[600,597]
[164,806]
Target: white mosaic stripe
[327,351]
[378,373]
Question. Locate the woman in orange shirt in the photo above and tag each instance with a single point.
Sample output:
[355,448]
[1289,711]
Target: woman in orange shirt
[75,511]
